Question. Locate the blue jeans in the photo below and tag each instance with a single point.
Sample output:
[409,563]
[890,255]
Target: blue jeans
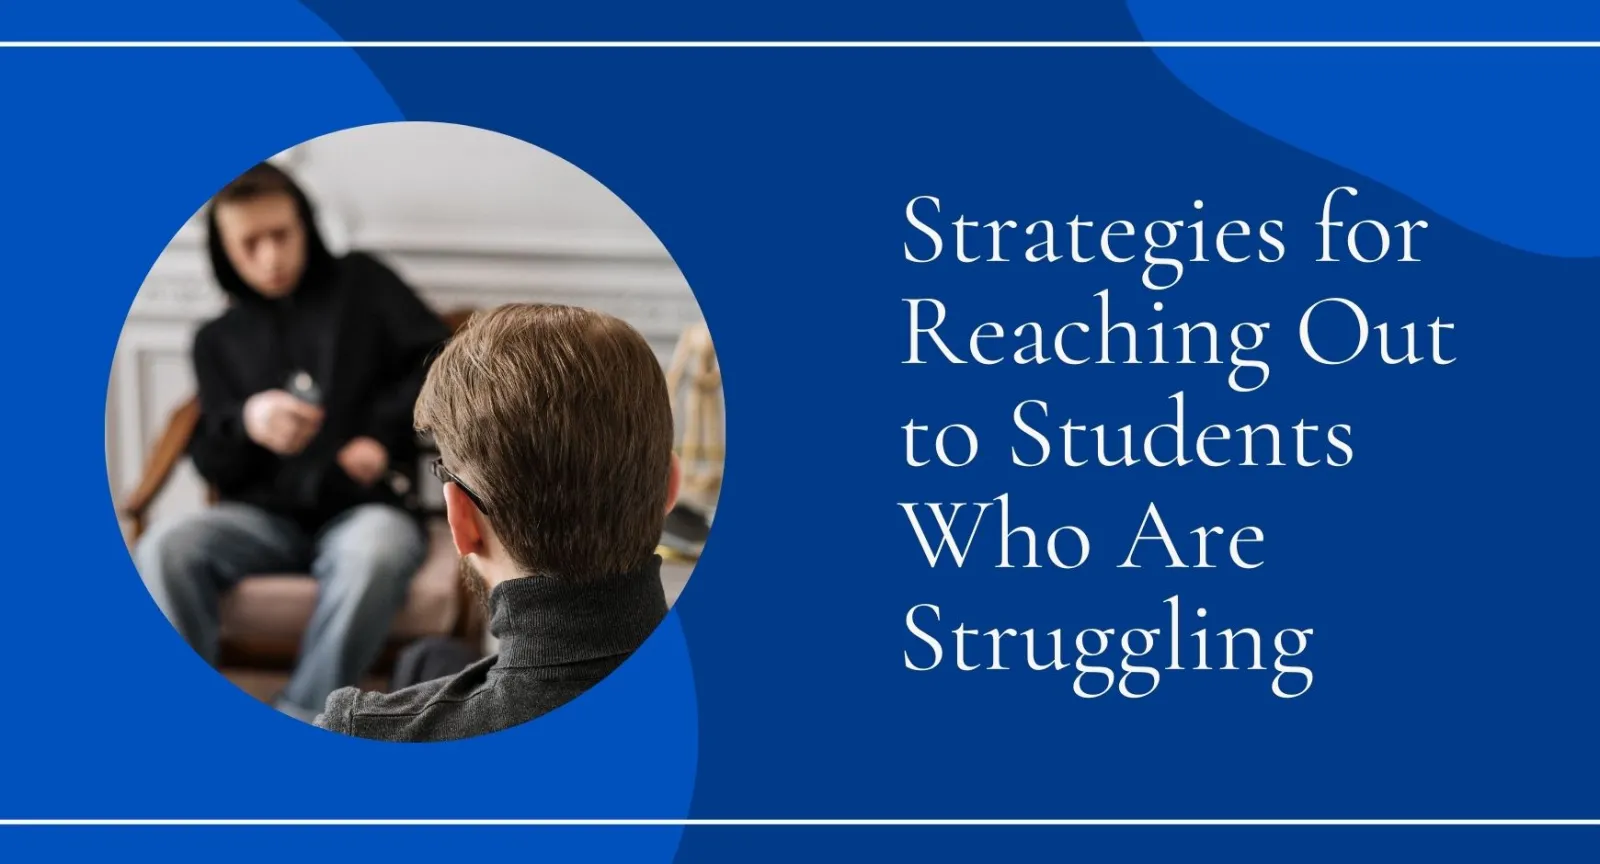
[363,562]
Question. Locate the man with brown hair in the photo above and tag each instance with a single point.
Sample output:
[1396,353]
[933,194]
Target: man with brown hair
[306,385]
[555,433]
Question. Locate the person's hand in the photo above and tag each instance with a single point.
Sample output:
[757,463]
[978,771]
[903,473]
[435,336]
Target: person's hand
[280,422]
[364,459]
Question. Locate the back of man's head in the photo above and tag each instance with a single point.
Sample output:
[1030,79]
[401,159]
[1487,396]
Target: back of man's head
[558,418]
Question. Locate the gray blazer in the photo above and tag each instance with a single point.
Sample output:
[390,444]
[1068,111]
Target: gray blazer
[557,638]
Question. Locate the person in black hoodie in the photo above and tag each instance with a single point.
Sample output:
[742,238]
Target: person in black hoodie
[306,386]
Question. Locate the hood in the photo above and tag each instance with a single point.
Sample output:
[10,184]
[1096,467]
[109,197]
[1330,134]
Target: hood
[319,261]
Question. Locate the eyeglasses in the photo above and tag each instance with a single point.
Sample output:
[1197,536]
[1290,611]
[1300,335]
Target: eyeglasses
[445,475]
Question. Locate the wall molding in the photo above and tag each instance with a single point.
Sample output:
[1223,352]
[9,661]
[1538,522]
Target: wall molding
[472,241]
[458,267]
[649,303]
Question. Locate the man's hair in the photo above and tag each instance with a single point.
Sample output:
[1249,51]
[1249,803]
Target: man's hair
[262,179]
[559,419]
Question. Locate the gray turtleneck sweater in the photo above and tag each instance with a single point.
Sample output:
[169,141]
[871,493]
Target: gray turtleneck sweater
[557,639]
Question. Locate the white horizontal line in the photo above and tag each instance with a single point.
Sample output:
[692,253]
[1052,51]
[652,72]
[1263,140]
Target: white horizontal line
[333,43]
[802,823]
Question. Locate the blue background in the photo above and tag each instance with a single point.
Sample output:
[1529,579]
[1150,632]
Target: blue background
[1446,571]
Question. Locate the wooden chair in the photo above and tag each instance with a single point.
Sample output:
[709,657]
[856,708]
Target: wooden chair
[263,618]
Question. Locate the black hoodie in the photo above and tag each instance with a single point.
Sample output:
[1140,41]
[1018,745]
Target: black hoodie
[366,340]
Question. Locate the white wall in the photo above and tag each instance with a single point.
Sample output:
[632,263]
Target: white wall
[470,218]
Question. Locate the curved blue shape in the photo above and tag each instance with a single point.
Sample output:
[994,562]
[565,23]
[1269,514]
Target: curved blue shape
[171,746]
[1424,122]
[1368,20]
[823,19]
[92,21]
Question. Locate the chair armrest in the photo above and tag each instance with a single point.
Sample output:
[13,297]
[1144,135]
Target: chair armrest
[162,460]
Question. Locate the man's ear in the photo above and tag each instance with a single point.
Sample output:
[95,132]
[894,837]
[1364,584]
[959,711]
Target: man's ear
[674,480]
[466,528]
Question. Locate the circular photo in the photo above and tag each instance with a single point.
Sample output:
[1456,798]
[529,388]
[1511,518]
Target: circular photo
[414,431]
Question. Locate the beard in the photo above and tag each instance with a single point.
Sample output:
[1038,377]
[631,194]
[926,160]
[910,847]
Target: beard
[475,584]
